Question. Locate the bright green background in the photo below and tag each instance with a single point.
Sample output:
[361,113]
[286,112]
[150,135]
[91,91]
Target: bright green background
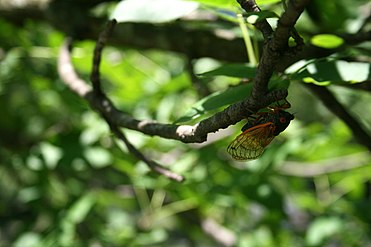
[66,181]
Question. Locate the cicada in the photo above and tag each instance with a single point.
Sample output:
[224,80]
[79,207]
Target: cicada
[259,132]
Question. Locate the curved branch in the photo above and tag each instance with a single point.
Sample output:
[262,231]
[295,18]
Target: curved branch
[101,103]
[339,110]
[95,72]
[96,94]
[185,133]
[68,74]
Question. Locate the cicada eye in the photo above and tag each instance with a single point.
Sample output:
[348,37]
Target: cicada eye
[282,120]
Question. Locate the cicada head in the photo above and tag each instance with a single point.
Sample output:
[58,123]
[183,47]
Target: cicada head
[281,120]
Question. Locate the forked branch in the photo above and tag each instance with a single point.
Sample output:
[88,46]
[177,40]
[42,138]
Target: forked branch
[275,42]
[274,49]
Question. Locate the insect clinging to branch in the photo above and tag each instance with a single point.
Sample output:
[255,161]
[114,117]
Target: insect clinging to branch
[259,131]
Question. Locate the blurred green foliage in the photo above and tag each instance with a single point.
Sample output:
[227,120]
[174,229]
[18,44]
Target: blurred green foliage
[66,181]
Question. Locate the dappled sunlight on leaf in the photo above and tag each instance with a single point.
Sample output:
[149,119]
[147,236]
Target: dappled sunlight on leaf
[328,41]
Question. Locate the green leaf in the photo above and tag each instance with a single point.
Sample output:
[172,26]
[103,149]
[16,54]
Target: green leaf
[216,100]
[261,2]
[321,229]
[28,239]
[327,41]
[339,72]
[153,11]
[254,17]
[98,157]
[227,97]
[75,215]
[52,154]
[232,70]
[78,211]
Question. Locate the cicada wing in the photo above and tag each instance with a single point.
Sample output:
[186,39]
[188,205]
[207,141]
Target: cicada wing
[251,143]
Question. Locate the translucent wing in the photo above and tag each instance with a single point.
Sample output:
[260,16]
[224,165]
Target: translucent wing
[251,143]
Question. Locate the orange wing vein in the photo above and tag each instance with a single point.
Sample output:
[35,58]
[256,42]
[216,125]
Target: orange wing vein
[251,143]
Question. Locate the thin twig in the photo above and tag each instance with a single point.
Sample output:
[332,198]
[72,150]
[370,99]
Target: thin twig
[198,83]
[263,25]
[356,38]
[150,163]
[221,234]
[97,98]
[330,101]
[67,72]
[102,40]
[286,23]
[294,33]
[95,78]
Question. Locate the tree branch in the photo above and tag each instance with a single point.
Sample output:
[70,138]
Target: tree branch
[329,100]
[219,233]
[364,86]
[68,74]
[200,84]
[96,94]
[115,118]
[274,47]
[139,155]
[263,26]
[286,23]
[102,40]
[356,38]
[198,133]
[185,133]
[97,89]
